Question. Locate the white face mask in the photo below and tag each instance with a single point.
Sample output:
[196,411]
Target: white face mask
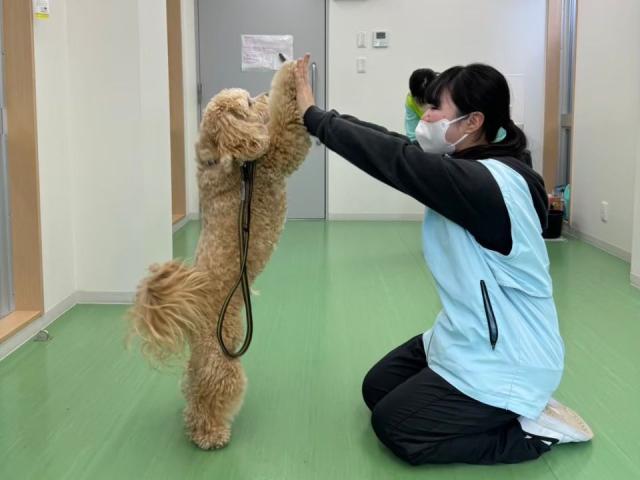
[432,135]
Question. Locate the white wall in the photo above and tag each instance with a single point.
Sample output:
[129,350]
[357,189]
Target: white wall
[153,147]
[55,168]
[463,31]
[190,83]
[506,34]
[103,128]
[606,120]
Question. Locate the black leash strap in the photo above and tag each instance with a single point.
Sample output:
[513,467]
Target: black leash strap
[244,222]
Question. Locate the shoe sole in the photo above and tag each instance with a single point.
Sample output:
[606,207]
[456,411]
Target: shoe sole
[563,415]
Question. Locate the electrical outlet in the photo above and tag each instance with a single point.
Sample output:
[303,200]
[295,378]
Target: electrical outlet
[604,212]
[361,64]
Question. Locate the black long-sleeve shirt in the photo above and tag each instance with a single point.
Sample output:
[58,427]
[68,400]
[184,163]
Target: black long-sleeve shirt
[462,190]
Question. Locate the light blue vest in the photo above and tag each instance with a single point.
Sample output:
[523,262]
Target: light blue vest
[525,366]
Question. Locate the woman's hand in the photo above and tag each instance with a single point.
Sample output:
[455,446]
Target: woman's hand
[304,94]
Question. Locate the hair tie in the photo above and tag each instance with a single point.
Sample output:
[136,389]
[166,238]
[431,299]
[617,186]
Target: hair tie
[500,136]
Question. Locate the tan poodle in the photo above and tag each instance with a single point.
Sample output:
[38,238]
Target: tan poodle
[176,305]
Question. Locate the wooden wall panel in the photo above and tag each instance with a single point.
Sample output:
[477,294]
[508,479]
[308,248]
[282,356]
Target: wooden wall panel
[176,110]
[22,151]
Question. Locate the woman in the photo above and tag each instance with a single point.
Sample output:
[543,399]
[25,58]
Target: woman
[416,99]
[477,387]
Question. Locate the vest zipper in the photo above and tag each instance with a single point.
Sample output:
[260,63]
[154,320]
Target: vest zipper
[491,319]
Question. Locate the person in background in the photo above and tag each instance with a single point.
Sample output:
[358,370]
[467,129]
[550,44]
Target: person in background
[415,103]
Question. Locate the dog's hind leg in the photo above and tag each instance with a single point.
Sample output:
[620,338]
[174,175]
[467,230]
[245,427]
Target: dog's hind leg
[214,388]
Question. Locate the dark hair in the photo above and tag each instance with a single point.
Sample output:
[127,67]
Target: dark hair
[482,88]
[418,83]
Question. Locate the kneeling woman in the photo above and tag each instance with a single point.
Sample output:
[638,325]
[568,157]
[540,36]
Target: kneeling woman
[477,387]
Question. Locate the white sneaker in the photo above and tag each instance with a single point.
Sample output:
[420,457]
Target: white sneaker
[558,423]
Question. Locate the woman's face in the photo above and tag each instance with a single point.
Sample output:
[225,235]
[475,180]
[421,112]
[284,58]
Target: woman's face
[448,110]
[468,125]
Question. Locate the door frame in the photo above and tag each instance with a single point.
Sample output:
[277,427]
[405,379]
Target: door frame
[554,120]
[326,89]
[6,275]
[22,162]
[551,140]
[176,111]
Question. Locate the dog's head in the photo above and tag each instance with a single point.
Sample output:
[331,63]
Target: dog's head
[233,128]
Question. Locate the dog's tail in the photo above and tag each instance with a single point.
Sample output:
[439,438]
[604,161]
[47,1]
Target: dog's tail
[171,305]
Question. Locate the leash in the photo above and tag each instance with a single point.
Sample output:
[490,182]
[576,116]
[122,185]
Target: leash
[244,222]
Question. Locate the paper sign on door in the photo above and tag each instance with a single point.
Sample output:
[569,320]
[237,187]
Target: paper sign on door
[262,52]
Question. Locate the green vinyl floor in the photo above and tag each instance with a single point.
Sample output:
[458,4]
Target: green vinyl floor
[333,300]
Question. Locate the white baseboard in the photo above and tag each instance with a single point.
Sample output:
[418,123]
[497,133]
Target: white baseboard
[602,245]
[635,280]
[385,217]
[187,218]
[21,337]
[555,240]
[104,298]
[81,297]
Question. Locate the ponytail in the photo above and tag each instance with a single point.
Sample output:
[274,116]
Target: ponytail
[514,145]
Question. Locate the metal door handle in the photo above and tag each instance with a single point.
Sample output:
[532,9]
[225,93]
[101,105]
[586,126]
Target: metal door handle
[314,83]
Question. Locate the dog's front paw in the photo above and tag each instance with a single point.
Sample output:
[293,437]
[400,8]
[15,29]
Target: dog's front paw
[212,439]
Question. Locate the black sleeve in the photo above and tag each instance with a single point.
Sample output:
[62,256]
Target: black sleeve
[373,126]
[464,191]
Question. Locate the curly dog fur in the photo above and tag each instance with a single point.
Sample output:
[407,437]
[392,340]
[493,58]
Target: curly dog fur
[176,307]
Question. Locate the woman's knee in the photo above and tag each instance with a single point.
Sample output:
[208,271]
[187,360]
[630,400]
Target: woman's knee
[381,424]
[394,436]
[371,391]
[385,429]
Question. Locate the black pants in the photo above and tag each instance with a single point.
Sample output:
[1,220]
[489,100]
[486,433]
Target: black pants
[423,419]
